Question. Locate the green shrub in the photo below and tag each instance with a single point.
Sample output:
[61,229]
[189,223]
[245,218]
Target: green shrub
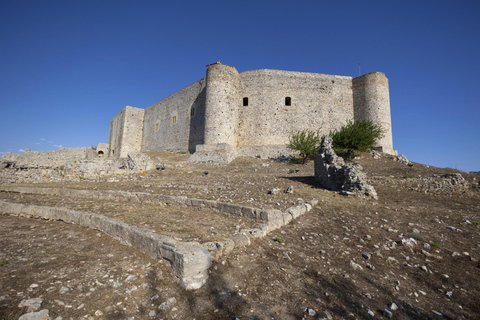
[305,141]
[355,136]
[279,239]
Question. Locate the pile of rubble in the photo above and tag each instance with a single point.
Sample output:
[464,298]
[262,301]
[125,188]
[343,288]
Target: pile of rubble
[448,184]
[332,172]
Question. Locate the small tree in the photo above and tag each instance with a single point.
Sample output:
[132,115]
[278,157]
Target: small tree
[355,136]
[305,141]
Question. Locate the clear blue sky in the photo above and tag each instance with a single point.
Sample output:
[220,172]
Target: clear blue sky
[67,67]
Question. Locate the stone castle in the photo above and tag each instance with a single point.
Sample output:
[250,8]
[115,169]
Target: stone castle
[229,114]
[252,113]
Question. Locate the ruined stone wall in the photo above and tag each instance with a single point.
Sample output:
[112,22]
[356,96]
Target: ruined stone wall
[317,101]
[177,122]
[126,132]
[51,158]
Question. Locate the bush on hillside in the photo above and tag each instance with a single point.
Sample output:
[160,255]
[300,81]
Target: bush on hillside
[358,136]
[305,141]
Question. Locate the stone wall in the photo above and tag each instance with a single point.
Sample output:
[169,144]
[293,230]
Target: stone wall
[126,132]
[317,101]
[251,114]
[176,123]
[52,158]
[371,99]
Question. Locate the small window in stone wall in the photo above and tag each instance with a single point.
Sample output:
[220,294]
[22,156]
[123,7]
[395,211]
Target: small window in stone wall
[245,102]
[174,119]
[192,112]
[288,101]
[157,125]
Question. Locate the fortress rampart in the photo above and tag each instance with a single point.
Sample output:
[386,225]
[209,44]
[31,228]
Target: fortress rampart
[253,113]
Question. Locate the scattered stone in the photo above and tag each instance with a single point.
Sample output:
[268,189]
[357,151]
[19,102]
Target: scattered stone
[327,315]
[311,312]
[387,313]
[31,304]
[40,315]
[131,278]
[366,256]
[274,191]
[371,267]
[410,242]
[289,189]
[63,290]
[167,304]
[98,313]
[392,306]
[205,173]
[371,313]
[437,313]
[424,268]
[449,293]
[355,266]
[454,229]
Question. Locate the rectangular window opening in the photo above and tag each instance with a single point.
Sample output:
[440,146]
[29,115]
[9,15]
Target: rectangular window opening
[288,101]
[245,102]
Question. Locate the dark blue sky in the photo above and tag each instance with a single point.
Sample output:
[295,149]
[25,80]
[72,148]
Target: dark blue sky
[67,67]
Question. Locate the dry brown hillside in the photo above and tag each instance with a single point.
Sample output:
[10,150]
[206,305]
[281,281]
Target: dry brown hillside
[413,254]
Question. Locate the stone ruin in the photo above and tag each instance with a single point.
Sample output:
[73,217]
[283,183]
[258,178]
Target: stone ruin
[70,164]
[331,172]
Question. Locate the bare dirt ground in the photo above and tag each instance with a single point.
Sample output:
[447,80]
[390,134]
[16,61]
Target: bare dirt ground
[345,259]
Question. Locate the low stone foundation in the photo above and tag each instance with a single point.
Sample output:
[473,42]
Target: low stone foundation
[189,261]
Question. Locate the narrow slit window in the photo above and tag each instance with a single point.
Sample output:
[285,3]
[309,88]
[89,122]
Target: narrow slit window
[245,102]
[157,126]
[174,119]
[288,101]
[192,112]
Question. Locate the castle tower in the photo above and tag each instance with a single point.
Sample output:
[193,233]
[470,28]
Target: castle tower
[222,100]
[221,105]
[371,102]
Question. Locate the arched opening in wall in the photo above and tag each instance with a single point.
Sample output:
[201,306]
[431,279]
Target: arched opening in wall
[113,152]
[100,154]
[288,101]
[174,119]
[157,125]
[245,102]
[192,111]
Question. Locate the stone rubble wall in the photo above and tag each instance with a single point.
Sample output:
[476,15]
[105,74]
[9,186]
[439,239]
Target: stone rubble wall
[73,170]
[52,158]
[331,172]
